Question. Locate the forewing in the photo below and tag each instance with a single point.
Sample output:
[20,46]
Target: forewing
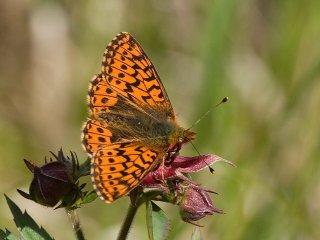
[118,168]
[103,100]
[132,75]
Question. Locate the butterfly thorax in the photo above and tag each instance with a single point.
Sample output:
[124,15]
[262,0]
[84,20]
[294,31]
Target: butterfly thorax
[180,135]
[153,129]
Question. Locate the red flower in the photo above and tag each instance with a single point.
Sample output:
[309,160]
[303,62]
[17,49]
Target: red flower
[178,167]
[177,187]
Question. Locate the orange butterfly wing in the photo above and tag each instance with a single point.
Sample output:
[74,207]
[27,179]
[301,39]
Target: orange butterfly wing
[123,99]
[119,168]
[130,72]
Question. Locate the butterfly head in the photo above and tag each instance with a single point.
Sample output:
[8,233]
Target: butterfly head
[186,136]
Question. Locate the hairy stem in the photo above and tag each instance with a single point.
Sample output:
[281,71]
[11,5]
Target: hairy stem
[128,221]
[74,219]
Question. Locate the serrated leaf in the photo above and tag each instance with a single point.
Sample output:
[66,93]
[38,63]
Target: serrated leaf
[28,228]
[196,234]
[7,235]
[157,222]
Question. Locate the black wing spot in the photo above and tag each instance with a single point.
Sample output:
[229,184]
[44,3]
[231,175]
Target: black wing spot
[95,81]
[91,93]
[101,139]
[160,95]
[109,91]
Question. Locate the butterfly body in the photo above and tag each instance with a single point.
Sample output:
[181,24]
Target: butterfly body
[132,127]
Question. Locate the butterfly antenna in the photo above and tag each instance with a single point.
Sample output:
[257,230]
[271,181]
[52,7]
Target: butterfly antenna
[210,168]
[224,100]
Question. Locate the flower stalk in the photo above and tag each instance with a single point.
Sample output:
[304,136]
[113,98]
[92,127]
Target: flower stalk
[75,222]
[132,210]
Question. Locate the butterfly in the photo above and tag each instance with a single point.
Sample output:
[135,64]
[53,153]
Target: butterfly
[132,127]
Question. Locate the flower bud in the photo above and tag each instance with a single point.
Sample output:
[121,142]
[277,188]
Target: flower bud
[196,204]
[53,182]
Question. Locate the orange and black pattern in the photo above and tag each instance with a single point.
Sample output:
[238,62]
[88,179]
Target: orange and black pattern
[132,123]
[128,69]
[118,168]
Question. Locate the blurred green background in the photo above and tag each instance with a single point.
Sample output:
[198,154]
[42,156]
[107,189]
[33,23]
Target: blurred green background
[264,55]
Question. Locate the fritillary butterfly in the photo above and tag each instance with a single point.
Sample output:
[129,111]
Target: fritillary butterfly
[132,127]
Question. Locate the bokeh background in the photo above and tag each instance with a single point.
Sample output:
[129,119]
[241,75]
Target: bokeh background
[263,54]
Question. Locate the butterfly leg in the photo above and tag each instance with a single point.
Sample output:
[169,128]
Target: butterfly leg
[172,154]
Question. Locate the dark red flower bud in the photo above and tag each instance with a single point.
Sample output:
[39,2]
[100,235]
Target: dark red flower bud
[54,181]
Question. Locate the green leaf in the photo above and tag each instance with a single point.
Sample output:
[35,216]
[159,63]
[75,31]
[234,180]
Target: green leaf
[85,168]
[90,197]
[157,222]
[28,228]
[196,234]
[7,235]
[86,198]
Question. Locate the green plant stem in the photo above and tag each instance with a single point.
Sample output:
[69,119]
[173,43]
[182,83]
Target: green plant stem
[128,221]
[123,233]
[74,219]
